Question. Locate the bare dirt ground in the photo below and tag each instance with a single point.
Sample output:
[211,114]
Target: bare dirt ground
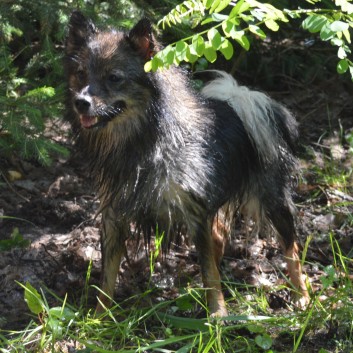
[57,210]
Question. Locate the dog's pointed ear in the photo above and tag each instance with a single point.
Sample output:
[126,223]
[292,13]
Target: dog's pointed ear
[142,39]
[80,29]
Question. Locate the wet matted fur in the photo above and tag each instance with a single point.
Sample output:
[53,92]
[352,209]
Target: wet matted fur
[163,154]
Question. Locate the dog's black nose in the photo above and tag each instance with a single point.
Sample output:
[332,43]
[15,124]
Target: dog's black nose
[82,105]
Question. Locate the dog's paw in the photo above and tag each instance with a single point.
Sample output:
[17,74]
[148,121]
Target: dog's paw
[219,313]
[301,300]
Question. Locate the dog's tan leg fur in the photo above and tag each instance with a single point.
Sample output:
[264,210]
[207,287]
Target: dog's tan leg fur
[295,274]
[220,231]
[215,298]
[113,245]
[211,277]
[110,272]
[210,272]
[219,236]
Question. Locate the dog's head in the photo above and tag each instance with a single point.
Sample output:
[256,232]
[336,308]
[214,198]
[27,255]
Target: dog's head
[106,74]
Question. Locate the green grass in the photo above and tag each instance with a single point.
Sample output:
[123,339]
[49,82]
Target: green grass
[138,325]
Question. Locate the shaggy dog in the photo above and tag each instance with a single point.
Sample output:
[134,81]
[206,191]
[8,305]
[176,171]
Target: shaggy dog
[163,154]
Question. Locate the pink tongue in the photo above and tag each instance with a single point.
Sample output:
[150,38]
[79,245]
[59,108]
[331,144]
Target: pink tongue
[87,121]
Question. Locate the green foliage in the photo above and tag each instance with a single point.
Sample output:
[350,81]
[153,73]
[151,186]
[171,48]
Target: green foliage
[136,325]
[241,22]
[171,326]
[16,241]
[158,246]
[334,26]
[33,299]
[29,63]
[55,321]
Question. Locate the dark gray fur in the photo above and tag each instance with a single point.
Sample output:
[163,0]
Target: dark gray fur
[174,158]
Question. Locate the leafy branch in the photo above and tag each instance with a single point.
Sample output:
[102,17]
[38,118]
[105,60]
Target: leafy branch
[229,21]
[27,72]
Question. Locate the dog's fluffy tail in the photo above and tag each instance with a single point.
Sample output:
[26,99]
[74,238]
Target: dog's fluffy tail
[267,123]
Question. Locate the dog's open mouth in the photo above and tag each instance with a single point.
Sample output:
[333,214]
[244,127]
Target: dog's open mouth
[102,117]
[88,121]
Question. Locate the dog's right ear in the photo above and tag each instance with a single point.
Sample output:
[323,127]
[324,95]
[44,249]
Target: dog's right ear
[80,29]
[142,39]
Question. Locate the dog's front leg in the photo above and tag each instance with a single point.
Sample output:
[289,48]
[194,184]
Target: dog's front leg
[209,270]
[113,246]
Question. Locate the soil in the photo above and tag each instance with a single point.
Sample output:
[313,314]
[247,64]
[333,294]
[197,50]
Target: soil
[54,209]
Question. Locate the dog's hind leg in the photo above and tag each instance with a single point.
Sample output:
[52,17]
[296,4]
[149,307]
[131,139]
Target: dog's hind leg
[220,232]
[282,220]
[206,248]
[296,275]
[113,248]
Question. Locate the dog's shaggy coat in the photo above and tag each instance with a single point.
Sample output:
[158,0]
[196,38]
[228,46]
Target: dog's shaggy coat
[163,154]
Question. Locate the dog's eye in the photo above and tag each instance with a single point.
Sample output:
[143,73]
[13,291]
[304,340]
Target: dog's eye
[114,78]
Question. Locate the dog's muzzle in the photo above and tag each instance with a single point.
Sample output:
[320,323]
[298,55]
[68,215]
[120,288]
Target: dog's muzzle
[91,118]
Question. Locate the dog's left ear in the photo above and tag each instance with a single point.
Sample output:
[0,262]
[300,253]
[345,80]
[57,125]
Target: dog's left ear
[142,39]
[80,29]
